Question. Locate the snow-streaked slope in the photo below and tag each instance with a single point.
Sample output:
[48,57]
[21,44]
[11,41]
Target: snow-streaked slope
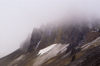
[49,52]
[42,51]
[95,43]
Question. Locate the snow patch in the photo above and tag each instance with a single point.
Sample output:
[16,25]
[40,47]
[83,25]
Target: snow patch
[49,52]
[42,51]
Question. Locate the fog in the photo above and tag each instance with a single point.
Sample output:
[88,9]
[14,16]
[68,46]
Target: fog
[19,17]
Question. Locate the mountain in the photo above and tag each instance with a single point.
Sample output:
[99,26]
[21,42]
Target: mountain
[74,44]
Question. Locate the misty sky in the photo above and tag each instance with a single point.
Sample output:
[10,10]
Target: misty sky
[19,17]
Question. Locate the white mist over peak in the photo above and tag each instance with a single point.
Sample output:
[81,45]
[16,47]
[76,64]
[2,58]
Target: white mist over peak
[19,17]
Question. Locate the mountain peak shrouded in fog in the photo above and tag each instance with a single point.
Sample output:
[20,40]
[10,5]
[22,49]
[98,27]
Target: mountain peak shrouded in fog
[60,32]
[59,44]
[72,30]
[18,18]
[67,42]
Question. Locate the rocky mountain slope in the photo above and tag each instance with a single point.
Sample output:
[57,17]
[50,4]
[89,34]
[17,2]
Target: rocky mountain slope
[62,45]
